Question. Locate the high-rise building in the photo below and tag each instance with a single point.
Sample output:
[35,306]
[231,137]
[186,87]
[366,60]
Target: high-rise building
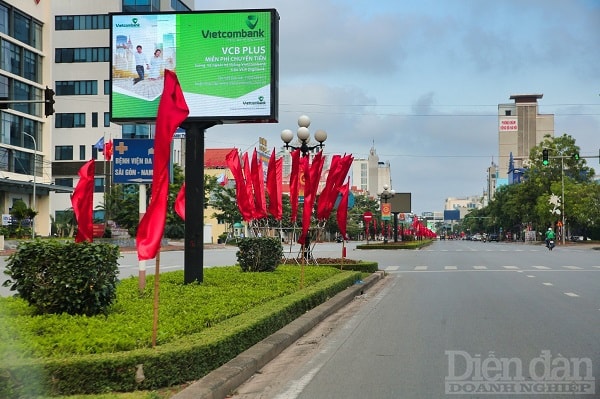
[63,45]
[520,128]
[370,175]
[25,134]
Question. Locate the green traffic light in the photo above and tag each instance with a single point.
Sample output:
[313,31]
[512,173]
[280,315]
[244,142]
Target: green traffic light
[576,156]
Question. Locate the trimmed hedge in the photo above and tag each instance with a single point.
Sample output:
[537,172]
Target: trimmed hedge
[183,360]
[363,267]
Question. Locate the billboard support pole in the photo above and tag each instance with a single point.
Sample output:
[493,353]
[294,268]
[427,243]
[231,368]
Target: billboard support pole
[194,201]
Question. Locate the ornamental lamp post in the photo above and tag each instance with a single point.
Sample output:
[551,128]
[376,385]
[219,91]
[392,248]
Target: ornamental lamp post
[303,135]
[385,196]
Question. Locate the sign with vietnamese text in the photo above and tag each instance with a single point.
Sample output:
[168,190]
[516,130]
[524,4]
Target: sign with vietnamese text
[508,125]
[133,161]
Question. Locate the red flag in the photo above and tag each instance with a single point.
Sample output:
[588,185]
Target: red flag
[294,184]
[108,150]
[342,211]
[83,202]
[180,202]
[338,172]
[312,173]
[274,177]
[233,162]
[172,112]
[258,184]
[249,198]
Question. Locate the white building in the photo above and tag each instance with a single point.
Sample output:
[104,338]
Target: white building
[63,45]
[370,175]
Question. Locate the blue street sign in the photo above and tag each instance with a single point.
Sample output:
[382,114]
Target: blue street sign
[133,161]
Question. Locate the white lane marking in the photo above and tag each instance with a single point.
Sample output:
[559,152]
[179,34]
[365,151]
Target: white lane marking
[480,267]
[420,268]
[548,284]
[511,267]
[450,267]
[572,267]
[532,276]
[541,267]
[571,294]
[392,268]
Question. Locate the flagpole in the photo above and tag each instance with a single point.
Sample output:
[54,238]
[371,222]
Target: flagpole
[155,304]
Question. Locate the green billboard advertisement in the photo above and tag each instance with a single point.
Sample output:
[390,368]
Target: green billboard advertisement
[226,63]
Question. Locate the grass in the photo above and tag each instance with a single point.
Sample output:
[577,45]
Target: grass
[184,310]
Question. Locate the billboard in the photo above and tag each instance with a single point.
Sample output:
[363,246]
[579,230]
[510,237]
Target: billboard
[226,63]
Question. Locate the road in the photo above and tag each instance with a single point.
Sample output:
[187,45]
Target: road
[520,317]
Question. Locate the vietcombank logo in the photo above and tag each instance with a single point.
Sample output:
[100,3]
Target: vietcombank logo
[133,24]
[260,101]
[251,22]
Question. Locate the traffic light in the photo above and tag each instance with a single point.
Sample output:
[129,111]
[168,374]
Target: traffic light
[545,160]
[48,101]
[575,156]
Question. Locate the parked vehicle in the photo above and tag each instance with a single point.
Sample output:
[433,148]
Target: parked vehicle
[493,237]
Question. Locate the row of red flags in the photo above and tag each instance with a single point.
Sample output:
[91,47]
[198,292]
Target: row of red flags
[250,187]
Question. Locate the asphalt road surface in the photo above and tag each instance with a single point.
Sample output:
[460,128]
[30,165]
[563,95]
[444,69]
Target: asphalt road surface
[458,319]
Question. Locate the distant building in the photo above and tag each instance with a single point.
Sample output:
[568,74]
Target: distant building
[464,205]
[520,128]
[370,175]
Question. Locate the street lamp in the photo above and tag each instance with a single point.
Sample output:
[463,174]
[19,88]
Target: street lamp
[385,196]
[304,137]
[34,182]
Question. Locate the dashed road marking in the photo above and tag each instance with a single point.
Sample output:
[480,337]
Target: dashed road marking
[480,267]
[511,267]
[450,268]
[548,284]
[541,267]
[572,267]
[420,268]
[571,294]
[392,268]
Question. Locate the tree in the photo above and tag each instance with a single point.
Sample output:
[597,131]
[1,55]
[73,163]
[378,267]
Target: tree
[528,203]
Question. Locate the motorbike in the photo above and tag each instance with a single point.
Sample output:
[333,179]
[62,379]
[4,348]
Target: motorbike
[550,244]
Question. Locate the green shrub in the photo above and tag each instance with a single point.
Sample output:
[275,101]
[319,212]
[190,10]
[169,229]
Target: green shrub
[64,277]
[260,254]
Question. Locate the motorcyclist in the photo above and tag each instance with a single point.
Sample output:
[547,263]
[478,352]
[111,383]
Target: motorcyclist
[549,236]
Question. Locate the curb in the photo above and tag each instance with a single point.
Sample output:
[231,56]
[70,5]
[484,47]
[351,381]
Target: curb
[219,383]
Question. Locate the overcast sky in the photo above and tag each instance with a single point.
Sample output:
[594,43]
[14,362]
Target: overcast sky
[422,80]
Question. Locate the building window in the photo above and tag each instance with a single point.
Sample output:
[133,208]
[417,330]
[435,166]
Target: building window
[107,119]
[20,26]
[107,87]
[507,112]
[135,131]
[177,5]
[141,5]
[76,87]
[94,152]
[84,54]
[99,184]
[69,120]
[94,119]
[81,22]
[63,152]
[81,152]
[64,181]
